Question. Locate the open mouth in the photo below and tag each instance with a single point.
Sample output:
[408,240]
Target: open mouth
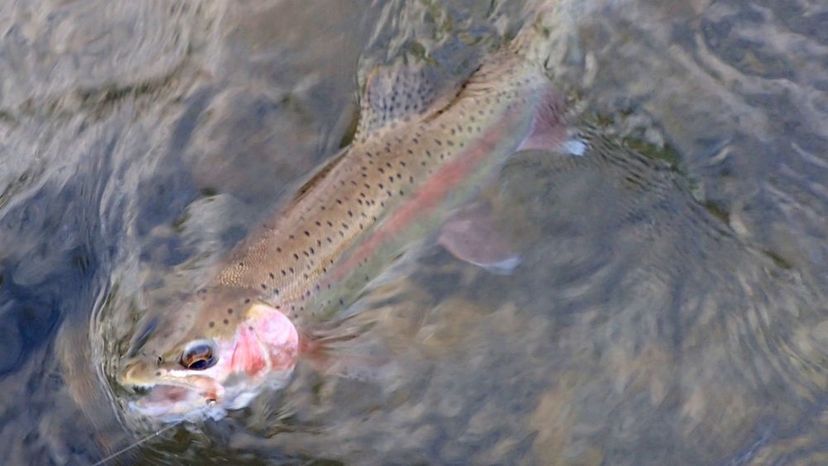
[166,393]
[171,402]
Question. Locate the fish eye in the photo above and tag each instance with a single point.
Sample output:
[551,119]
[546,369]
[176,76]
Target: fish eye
[198,355]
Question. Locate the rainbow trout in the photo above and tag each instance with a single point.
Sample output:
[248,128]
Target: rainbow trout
[417,154]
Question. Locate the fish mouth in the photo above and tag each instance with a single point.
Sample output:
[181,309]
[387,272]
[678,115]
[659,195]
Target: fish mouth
[171,403]
[166,394]
[172,397]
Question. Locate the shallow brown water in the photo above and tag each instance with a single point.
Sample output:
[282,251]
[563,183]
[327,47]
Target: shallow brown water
[670,307]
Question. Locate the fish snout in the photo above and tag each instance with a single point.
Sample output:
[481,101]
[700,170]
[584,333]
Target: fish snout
[134,373]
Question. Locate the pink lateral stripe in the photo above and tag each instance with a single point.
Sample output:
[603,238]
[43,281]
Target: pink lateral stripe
[426,198]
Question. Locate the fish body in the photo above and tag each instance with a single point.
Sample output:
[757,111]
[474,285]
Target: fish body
[417,153]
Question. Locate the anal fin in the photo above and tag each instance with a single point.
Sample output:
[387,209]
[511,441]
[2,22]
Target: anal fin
[548,130]
[472,235]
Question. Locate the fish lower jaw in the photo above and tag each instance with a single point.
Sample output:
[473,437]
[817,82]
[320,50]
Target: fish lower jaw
[173,402]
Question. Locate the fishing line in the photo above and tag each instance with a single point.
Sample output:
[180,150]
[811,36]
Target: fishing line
[139,442]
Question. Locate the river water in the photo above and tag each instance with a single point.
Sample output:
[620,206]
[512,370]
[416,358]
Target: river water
[671,303]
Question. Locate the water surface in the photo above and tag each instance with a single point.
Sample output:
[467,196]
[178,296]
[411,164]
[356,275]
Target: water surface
[670,307]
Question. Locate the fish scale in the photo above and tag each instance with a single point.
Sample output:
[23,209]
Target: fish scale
[368,180]
[417,154]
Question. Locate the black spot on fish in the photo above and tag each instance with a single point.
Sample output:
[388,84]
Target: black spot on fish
[230,310]
[271,275]
[212,324]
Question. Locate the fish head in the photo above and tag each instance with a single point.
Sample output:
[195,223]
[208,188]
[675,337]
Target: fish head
[214,352]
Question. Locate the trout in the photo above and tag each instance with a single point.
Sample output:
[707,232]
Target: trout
[417,154]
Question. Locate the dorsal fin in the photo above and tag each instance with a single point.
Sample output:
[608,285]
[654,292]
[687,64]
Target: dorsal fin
[396,94]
